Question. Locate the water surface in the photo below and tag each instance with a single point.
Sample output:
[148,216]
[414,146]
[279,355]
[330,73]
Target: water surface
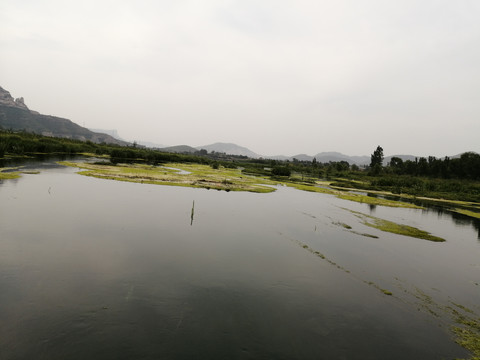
[91,268]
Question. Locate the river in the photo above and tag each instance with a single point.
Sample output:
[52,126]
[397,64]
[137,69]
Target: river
[99,269]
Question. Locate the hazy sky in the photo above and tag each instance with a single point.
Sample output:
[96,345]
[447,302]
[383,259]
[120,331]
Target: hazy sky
[279,77]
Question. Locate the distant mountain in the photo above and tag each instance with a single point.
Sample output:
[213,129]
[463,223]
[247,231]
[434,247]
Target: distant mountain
[150,144]
[229,149]
[179,149]
[302,157]
[326,157]
[112,133]
[15,115]
[387,159]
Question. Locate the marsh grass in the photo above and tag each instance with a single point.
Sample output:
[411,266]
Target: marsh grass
[178,174]
[9,175]
[391,227]
[345,194]
[469,213]
[370,200]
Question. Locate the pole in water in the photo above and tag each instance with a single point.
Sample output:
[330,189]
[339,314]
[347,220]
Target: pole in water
[193,212]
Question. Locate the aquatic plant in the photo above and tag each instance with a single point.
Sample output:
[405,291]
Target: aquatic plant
[8,175]
[173,174]
[394,228]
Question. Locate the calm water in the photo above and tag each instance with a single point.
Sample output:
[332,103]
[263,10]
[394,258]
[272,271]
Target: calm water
[96,269]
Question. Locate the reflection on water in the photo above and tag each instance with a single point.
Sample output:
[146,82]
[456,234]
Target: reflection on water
[441,211]
[92,268]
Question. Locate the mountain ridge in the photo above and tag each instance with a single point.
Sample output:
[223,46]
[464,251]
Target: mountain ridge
[15,115]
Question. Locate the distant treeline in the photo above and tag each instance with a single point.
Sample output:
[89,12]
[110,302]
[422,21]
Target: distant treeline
[467,166]
[23,143]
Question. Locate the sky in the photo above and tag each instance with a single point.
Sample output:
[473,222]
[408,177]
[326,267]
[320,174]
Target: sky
[276,76]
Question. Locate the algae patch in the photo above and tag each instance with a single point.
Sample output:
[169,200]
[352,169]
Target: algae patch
[8,175]
[189,175]
[467,212]
[370,200]
[394,228]
[345,226]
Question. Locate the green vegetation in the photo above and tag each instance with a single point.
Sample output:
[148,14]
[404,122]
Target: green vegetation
[433,179]
[376,161]
[389,226]
[467,212]
[177,174]
[370,200]
[8,175]
[345,226]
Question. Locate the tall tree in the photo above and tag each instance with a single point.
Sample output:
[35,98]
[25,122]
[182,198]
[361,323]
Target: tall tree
[377,157]
[376,161]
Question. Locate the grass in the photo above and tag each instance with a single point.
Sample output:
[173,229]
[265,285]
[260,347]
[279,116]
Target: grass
[467,212]
[468,335]
[399,229]
[197,176]
[370,200]
[227,179]
[310,187]
[346,195]
[8,175]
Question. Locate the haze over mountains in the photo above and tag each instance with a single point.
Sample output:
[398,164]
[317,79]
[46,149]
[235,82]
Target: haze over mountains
[15,115]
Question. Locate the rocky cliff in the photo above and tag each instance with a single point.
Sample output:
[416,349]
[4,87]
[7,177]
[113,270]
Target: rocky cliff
[15,115]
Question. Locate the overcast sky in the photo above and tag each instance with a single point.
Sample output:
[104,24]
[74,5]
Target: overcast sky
[279,77]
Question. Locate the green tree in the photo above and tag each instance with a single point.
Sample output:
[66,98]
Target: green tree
[396,164]
[377,157]
[376,161]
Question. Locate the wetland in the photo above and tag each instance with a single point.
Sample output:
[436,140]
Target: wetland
[101,261]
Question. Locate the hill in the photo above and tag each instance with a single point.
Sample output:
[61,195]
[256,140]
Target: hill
[15,115]
[230,149]
[184,149]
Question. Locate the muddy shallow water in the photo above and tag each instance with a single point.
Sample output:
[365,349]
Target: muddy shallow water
[100,269]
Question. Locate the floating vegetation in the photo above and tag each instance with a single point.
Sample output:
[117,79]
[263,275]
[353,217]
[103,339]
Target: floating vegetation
[8,173]
[189,175]
[467,333]
[370,200]
[311,188]
[466,328]
[365,234]
[346,195]
[384,291]
[467,212]
[394,228]
[345,226]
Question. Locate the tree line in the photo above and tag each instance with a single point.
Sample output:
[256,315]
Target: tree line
[467,166]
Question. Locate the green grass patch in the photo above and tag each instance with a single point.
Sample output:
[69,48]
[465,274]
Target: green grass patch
[346,195]
[310,187]
[177,174]
[394,228]
[467,330]
[370,200]
[8,175]
[467,212]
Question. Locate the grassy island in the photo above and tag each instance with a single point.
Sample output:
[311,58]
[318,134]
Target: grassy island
[177,174]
